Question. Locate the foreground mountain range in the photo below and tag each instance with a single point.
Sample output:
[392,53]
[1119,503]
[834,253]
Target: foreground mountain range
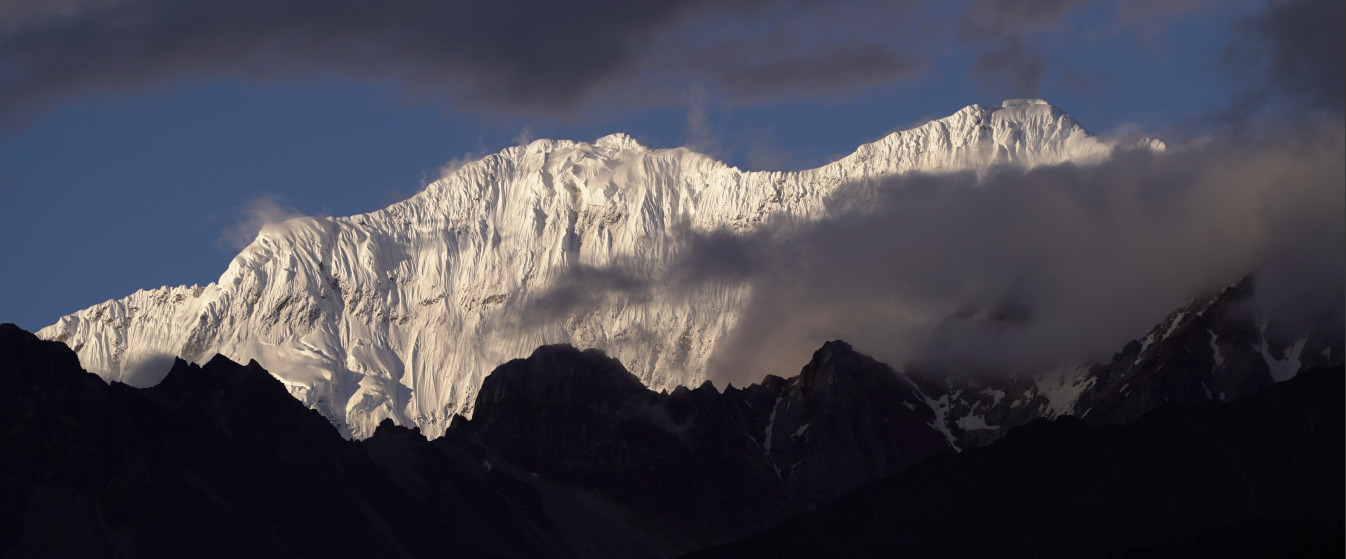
[1261,477]
[400,313]
[568,455]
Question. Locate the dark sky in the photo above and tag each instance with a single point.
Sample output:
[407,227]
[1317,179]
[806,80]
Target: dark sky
[140,140]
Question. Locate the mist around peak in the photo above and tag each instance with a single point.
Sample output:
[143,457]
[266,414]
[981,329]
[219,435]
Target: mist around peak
[1025,270]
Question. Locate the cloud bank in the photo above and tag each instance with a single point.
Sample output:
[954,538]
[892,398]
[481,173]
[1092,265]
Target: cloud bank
[1299,49]
[558,58]
[516,55]
[1023,270]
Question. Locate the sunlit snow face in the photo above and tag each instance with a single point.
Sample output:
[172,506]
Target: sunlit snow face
[683,267]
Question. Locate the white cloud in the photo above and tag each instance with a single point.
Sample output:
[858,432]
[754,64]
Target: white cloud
[252,216]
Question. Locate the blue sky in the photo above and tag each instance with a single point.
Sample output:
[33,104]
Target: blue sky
[138,137]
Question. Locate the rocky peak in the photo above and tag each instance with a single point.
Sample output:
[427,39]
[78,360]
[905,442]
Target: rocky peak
[825,421]
[557,377]
[618,141]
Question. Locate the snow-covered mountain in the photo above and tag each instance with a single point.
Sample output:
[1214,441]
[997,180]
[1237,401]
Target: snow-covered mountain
[400,313]
[1213,349]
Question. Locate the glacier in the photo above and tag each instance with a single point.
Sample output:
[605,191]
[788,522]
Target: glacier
[400,313]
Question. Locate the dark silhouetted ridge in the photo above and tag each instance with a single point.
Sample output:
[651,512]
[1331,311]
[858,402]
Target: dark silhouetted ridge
[1263,473]
[568,455]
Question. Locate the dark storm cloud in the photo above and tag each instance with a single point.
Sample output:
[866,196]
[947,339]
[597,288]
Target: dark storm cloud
[1288,61]
[525,53]
[1303,45]
[559,58]
[519,55]
[1001,27]
[15,13]
[1011,60]
[1143,11]
[792,48]
[1007,17]
[1021,270]
[835,68]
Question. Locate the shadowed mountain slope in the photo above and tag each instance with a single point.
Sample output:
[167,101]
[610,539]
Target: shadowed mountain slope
[1258,477]
[568,456]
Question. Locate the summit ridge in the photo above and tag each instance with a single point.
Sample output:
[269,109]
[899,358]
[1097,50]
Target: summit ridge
[400,313]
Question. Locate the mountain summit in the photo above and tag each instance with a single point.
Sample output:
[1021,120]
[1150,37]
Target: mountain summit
[400,313]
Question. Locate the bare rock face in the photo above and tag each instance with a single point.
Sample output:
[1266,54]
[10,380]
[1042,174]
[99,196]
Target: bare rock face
[845,418]
[581,418]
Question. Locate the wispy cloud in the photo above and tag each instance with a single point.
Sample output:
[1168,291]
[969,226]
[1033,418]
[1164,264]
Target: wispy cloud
[251,216]
[586,287]
[700,136]
[524,137]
